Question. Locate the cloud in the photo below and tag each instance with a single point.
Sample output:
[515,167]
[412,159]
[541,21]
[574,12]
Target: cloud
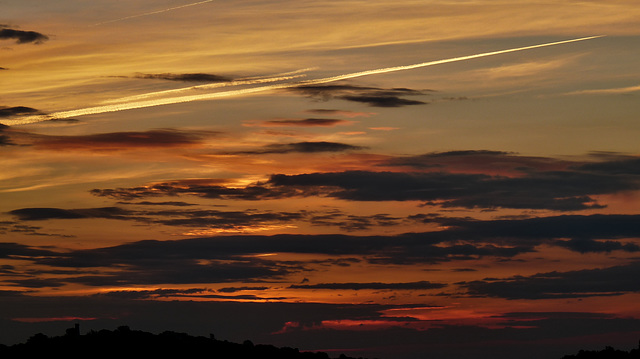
[609,91]
[372,96]
[239,289]
[205,219]
[160,138]
[561,191]
[39,214]
[17,111]
[191,77]
[21,37]
[382,100]
[151,294]
[170,203]
[135,103]
[344,113]
[421,285]
[448,180]
[481,161]
[18,228]
[5,140]
[303,147]
[307,122]
[607,281]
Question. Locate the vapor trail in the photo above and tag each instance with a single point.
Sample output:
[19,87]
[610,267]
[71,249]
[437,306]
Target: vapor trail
[438,62]
[202,87]
[153,12]
[210,96]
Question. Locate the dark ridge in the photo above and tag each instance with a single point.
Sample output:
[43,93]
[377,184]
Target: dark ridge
[606,353]
[126,343]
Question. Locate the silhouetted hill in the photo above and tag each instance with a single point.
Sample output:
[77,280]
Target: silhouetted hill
[127,343]
[606,353]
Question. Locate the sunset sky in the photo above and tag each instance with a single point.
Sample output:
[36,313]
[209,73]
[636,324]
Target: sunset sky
[392,179]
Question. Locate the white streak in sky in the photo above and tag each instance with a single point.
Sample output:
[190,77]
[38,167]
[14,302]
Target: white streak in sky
[202,87]
[153,12]
[210,96]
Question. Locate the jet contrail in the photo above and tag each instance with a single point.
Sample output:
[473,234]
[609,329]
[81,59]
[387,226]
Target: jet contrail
[202,87]
[153,12]
[210,96]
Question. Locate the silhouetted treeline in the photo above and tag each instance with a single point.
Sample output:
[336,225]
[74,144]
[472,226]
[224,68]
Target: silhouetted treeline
[606,353]
[126,343]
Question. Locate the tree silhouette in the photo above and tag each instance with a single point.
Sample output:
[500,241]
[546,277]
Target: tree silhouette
[125,342]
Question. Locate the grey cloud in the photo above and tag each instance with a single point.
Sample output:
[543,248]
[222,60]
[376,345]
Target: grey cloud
[581,283]
[382,100]
[533,183]
[189,77]
[303,147]
[21,37]
[203,218]
[421,285]
[18,111]
[38,214]
[307,122]
[169,203]
[124,140]
[239,289]
[373,96]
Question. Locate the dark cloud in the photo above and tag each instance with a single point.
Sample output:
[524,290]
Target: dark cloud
[170,203]
[511,181]
[123,140]
[18,111]
[591,246]
[21,37]
[421,285]
[36,283]
[614,166]
[239,289]
[299,147]
[373,96]
[307,122]
[349,222]
[344,113]
[151,294]
[561,191]
[191,77]
[15,250]
[4,139]
[581,283]
[304,147]
[38,214]
[578,227]
[382,100]
[16,227]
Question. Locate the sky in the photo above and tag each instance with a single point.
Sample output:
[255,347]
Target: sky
[391,179]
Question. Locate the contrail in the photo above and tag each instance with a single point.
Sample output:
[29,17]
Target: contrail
[153,12]
[202,87]
[438,62]
[210,96]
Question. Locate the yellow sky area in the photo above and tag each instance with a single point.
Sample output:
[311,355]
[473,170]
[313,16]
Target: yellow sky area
[227,40]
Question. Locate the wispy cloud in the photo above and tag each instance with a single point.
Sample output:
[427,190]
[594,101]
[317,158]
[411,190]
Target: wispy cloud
[608,91]
[21,37]
[295,122]
[262,89]
[193,77]
[154,12]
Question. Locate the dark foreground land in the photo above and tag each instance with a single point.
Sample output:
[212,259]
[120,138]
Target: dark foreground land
[606,353]
[126,343]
